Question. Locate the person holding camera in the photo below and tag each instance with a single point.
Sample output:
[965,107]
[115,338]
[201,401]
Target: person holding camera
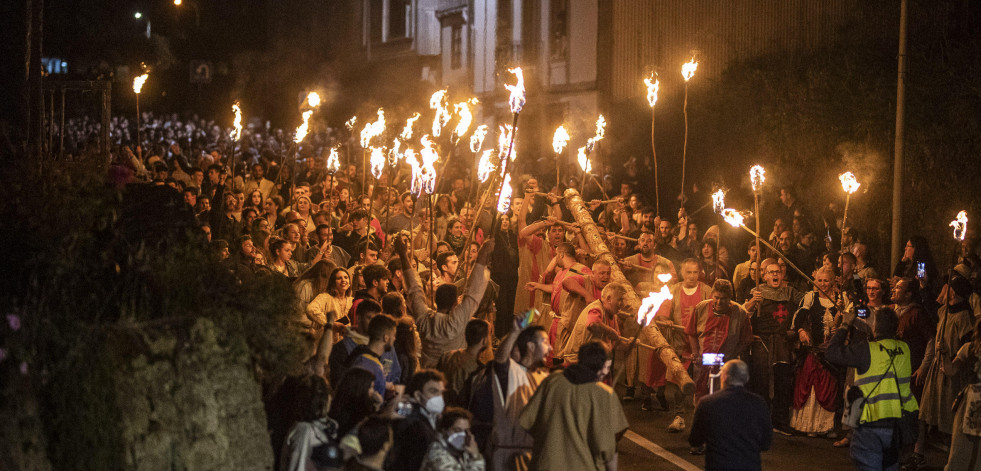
[882,375]
[717,326]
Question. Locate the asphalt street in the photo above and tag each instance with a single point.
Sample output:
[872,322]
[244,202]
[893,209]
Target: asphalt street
[648,445]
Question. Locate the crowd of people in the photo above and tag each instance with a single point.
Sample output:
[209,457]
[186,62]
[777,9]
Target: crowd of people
[446,336]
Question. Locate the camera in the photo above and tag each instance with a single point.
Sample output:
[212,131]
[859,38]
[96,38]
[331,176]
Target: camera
[713,359]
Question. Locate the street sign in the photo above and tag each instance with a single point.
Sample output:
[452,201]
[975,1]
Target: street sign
[201,71]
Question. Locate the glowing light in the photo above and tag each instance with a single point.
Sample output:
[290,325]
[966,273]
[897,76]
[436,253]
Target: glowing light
[848,182]
[407,130]
[485,167]
[650,304]
[178,2]
[313,99]
[732,217]
[462,110]
[377,161]
[688,69]
[372,130]
[333,161]
[477,138]
[653,84]
[437,103]
[429,156]
[960,225]
[504,143]
[756,177]
[301,132]
[236,133]
[349,124]
[584,160]
[504,200]
[517,100]
[137,15]
[138,83]
[600,134]
[718,201]
[416,180]
[560,139]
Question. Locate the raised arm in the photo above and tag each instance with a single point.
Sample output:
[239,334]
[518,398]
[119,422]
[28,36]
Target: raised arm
[416,299]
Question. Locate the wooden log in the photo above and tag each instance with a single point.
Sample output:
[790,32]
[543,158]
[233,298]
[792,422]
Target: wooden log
[650,336]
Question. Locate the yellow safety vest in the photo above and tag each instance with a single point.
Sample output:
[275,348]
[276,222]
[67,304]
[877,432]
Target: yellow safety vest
[886,384]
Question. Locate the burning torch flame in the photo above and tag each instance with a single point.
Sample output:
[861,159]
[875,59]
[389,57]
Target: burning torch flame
[393,154]
[333,161]
[653,84]
[313,99]
[462,110]
[504,201]
[756,177]
[600,133]
[407,130]
[584,160]
[413,161]
[428,169]
[301,131]
[377,161]
[437,102]
[349,124]
[485,167]
[688,69]
[517,90]
[477,138]
[650,304]
[504,143]
[960,225]
[718,201]
[848,182]
[236,133]
[138,83]
[372,130]
[560,139]
[732,217]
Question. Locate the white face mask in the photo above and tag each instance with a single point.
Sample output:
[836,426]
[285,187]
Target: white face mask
[435,405]
[457,440]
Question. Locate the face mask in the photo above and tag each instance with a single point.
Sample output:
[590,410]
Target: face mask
[435,405]
[457,440]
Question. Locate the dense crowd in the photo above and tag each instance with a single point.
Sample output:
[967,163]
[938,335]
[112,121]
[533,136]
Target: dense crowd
[443,336]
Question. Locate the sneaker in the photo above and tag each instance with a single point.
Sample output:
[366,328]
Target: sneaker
[629,395]
[677,425]
[783,430]
[697,450]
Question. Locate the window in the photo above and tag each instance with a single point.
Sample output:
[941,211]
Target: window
[558,30]
[398,18]
[456,47]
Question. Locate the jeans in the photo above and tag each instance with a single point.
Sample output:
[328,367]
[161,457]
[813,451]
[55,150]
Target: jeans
[872,449]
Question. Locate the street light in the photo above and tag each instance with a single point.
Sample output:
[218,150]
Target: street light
[197,13]
[139,16]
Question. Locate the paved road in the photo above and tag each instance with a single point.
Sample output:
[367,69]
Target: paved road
[648,446]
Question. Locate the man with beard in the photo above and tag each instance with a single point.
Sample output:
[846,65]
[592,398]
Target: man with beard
[717,325]
[376,278]
[916,327]
[580,290]
[514,383]
[776,302]
[566,265]
[404,219]
[645,265]
[597,321]
[381,338]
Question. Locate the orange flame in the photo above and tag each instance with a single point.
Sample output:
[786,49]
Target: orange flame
[848,182]
[138,83]
[584,160]
[485,167]
[960,225]
[718,201]
[517,100]
[236,133]
[437,103]
[560,139]
[650,304]
[688,69]
[462,110]
[372,130]
[333,161]
[756,177]
[653,85]
[504,200]
[477,138]
[733,217]
[301,132]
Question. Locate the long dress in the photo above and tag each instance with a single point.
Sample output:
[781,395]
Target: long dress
[943,381]
[815,385]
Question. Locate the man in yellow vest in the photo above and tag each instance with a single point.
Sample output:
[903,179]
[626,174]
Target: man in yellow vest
[882,373]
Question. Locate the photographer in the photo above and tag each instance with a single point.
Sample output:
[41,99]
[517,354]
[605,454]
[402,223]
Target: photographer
[882,373]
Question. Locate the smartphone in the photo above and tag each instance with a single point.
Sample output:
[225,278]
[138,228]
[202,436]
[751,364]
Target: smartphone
[403,408]
[921,270]
[862,312]
[713,359]
[526,318]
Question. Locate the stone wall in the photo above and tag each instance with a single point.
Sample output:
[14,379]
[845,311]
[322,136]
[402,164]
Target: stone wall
[192,404]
